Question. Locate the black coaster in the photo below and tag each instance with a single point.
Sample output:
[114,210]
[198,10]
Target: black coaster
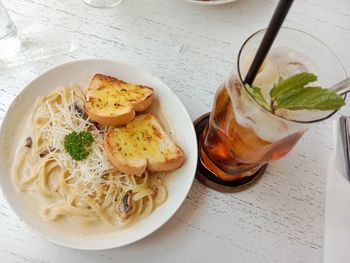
[208,178]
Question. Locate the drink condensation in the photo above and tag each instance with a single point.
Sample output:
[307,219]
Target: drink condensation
[281,62]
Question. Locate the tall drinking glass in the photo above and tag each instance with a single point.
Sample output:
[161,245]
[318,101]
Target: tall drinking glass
[16,50]
[241,137]
[10,41]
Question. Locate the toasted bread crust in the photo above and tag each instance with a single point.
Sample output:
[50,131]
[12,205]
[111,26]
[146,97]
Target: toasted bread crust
[116,116]
[104,78]
[169,165]
[165,158]
[143,105]
[109,120]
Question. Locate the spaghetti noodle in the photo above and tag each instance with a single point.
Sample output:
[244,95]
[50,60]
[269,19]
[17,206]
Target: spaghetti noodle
[89,191]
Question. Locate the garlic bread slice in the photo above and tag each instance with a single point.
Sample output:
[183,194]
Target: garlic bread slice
[141,144]
[111,101]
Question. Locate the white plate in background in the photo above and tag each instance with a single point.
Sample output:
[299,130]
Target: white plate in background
[211,2]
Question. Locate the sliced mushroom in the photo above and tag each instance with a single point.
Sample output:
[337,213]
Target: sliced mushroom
[94,126]
[125,206]
[79,109]
[47,151]
[29,142]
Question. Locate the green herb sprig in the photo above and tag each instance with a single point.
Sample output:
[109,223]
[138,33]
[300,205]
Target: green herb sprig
[78,145]
[293,93]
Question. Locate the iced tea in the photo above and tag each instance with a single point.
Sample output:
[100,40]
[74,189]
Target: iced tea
[241,135]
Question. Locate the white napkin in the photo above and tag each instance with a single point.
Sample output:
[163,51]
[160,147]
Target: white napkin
[337,211]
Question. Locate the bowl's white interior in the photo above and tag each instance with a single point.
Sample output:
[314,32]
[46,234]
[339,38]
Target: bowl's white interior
[79,72]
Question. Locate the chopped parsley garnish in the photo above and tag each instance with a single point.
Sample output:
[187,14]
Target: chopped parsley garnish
[78,145]
[293,93]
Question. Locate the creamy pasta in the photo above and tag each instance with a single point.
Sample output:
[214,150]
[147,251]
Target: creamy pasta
[89,191]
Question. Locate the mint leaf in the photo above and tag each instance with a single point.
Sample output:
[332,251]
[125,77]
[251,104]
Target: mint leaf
[294,94]
[309,98]
[294,82]
[255,92]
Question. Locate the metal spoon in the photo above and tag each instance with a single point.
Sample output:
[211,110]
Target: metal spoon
[342,87]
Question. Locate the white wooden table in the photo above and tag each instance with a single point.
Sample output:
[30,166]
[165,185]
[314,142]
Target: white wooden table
[191,48]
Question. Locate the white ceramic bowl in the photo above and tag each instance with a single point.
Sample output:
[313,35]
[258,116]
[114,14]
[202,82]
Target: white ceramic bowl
[80,71]
[212,2]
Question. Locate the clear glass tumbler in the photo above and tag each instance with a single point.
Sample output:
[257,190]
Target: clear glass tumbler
[10,41]
[241,136]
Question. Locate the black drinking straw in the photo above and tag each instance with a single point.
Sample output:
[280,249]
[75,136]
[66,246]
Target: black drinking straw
[271,32]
